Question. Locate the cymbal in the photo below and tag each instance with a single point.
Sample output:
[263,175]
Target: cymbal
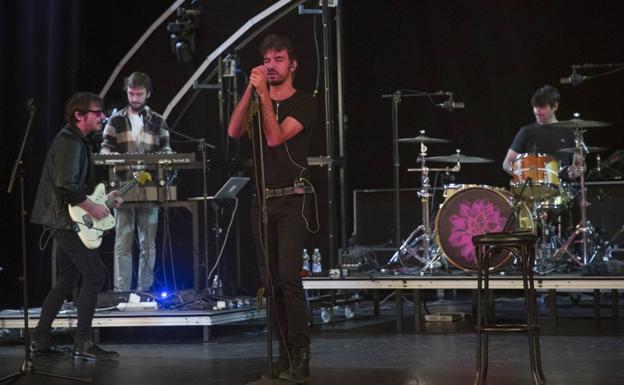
[461,158]
[590,149]
[579,123]
[423,139]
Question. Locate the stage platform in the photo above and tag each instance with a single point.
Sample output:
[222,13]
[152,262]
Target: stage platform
[413,285]
[13,319]
[397,282]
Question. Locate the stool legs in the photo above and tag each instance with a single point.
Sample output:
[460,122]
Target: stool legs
[531,320]
[526,254]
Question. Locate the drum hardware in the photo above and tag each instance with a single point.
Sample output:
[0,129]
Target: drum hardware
[547,260]
[459,158]
[414,246]
[430,256]
[611,246]
[423,139]
[577,123]
[584,228]
[588,149]
[515,208]
[542,169]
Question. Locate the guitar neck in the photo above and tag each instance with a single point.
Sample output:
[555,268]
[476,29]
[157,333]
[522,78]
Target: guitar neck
[122,191]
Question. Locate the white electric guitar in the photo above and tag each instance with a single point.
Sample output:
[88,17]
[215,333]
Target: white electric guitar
[91,230]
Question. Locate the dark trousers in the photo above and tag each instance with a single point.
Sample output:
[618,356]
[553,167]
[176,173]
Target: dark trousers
[75,261]
[287,234]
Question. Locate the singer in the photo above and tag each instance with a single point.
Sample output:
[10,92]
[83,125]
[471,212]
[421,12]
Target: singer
[135,129]
[287,117]
[540,137]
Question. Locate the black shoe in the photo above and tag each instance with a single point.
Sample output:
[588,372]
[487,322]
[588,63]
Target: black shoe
[89,351]
[299,372]
[40,346]
[49,351]
[279,365]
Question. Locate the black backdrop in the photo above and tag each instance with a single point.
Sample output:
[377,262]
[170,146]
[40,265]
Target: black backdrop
[492,55]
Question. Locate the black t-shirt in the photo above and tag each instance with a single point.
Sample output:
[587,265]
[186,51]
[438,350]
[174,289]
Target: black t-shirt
[544,139]
[281,170]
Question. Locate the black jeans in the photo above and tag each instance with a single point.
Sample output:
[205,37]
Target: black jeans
[287,234]
[74,261]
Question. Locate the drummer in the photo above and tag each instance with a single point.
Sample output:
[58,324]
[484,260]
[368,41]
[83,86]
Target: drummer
[539,137]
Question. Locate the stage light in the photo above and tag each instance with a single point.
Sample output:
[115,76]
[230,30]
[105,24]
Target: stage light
[164,295]
[183,30]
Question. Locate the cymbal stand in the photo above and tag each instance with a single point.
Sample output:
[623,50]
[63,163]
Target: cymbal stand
[545,261]
[584,228]
[430,253]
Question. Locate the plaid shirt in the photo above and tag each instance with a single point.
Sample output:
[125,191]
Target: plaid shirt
[118,134]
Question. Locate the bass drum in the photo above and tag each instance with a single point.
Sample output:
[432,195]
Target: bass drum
[475,211]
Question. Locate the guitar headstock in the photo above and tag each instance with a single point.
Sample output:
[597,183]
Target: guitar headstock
[142,177]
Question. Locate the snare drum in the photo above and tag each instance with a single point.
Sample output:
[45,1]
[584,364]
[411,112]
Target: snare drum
[475,211]
[542,169]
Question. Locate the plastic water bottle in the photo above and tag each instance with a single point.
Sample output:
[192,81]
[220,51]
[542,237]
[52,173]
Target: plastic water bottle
[306,262]
[316,261]
[217,286]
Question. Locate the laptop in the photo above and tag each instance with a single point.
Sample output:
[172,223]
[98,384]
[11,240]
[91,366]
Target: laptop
[231,188]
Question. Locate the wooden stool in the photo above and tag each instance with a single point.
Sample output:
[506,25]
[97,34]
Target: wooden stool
[522,246]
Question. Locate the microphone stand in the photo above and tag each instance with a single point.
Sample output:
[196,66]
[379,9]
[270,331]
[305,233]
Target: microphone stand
[256,141]
[396,99]
[515,210]
[202,145]
[27,368]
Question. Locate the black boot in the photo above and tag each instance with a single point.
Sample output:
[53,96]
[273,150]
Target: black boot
[40,345]
[89,351]
[299,372]
[280,364]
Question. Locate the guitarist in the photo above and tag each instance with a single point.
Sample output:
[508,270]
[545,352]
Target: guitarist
[67,178]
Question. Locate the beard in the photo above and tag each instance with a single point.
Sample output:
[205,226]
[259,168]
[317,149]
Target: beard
[136,107]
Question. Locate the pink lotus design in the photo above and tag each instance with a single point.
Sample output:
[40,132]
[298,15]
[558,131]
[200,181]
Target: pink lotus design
[475,218]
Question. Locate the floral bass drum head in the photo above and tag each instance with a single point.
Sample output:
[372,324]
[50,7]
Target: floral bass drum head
[475,211]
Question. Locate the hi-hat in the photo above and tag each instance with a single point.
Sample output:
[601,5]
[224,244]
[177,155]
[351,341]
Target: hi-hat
[587,150]
[579,123]
[458,158]
[423,139]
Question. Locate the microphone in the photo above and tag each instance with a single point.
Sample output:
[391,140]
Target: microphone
[575,78]
[450,105]
[30,105]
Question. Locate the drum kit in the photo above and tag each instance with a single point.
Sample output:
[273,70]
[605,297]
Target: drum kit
[537,201]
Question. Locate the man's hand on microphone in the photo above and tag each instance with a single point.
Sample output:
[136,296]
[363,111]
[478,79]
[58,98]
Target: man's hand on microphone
[258,79]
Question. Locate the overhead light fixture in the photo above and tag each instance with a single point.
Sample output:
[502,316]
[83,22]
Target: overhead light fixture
[183,30]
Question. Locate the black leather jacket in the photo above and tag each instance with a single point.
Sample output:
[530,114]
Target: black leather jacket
[67,177]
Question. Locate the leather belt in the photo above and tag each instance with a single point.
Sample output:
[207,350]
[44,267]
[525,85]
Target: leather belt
[280,192]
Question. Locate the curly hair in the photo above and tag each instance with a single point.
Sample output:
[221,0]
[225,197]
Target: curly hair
[81,102]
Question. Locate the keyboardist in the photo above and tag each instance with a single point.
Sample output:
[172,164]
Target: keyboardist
[135,129]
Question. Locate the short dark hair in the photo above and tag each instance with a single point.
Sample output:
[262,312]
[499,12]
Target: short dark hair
[138,79]
[278,43]
[547,95]
[81,102]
